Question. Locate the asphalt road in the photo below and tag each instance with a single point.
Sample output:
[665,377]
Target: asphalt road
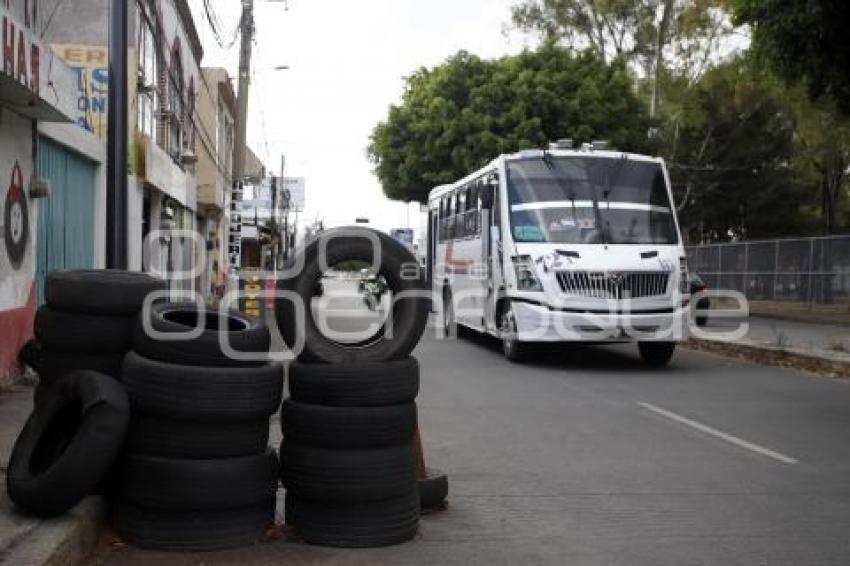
[587,457]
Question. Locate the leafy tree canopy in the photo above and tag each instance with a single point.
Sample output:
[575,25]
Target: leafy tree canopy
[804,40]
[731,159]
[456,117]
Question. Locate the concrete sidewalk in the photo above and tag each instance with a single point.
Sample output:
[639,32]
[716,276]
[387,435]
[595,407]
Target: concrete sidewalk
[821,348]
[28,540]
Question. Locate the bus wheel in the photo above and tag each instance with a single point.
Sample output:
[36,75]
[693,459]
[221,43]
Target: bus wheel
[656,354]
[511,347]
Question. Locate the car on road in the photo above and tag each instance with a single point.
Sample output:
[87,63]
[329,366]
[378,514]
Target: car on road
[699,298]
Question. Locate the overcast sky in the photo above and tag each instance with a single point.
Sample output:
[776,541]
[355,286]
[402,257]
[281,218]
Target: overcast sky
[347,60]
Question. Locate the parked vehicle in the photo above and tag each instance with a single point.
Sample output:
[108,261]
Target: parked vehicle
[562,245]
[700,301]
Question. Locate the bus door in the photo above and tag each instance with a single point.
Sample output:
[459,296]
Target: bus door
[491,242]
[431,253]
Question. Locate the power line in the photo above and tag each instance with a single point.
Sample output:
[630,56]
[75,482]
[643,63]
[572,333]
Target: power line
[216,26]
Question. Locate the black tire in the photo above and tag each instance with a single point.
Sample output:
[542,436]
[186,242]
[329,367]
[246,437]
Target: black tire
[347,428]
[657,354]
[347,476]
[363,525]
[56,365]
[16,220]
[76,333]
[30,355]
[513,350]
[403,275]
[202,394]
[193,531]
[222,483]
[244,334]
[355,385]
[100,291]
[156,435]
[68,444]
[433,489]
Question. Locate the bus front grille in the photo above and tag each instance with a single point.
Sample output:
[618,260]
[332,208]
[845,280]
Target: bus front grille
[614,285]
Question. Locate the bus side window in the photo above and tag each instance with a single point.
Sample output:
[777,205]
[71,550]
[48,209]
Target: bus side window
[450,217]
[461,215]
[496,213]
[444,205]
[474,214]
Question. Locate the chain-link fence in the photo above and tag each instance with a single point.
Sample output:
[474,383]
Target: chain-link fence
[807,270]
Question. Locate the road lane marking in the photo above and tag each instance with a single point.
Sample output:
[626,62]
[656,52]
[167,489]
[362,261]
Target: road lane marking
[739,442]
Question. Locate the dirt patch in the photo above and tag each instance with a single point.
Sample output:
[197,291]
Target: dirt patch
[776,357]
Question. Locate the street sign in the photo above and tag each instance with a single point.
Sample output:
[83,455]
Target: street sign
[297,192]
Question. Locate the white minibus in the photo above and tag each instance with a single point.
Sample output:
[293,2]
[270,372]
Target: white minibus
[561,245]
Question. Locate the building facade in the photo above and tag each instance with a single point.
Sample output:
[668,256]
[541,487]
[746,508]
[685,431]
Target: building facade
[216,114]
[164,77]
[52,176]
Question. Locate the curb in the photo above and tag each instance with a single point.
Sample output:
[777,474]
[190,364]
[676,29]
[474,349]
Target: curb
[61,541]
[823,363]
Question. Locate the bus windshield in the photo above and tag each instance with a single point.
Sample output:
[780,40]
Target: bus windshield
[589,200]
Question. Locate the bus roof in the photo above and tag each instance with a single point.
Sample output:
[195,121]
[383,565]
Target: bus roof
[441,190]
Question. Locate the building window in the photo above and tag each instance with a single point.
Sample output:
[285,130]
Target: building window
[148,76]
[176,104]
[189,135]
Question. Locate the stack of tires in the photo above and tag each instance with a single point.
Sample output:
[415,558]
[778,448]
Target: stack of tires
[347,459]
[87,322]
[197,474]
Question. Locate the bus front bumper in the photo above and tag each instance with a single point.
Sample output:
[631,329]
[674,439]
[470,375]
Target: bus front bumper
[539,323]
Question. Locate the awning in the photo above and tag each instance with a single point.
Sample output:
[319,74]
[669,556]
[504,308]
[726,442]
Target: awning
[21,100]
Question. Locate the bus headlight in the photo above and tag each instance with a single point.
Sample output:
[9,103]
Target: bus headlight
[526,278]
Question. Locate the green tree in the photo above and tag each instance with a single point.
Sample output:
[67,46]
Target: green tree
[456,117]
[731,159]
[658,37]
[822,155]
[805,40]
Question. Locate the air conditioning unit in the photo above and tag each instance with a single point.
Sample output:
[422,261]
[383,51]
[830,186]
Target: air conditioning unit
[188,157]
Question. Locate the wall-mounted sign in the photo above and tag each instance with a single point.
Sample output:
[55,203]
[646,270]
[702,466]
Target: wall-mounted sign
[90,66]
[32,82]
[297,187]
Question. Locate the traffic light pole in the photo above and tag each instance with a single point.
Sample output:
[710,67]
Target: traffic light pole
[117,135]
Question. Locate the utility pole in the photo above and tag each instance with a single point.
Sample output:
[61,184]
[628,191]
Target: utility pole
[116,143]
[247,32]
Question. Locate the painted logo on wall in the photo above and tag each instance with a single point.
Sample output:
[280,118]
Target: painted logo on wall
[16,224]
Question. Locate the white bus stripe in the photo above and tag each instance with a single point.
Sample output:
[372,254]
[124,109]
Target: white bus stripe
[589,204]
[739,442]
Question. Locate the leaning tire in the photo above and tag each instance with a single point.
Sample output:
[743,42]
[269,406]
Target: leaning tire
[347,428]
[99,291]
[192,531]
[55,365]
[347,476]
[166,483]
[68,444]
[399,268]
[76,333]
[202,394]
[156,435]
[355,385]
[433,489]
[244,334]
[362,525]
